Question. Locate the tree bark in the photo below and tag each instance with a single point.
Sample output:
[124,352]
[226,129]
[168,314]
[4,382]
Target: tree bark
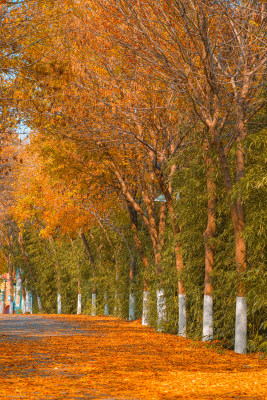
[59,308]
[88,250]
[208,235]
[23,303]
[11,280]
[92,262]
[237,216]
[131,292]
[79,299]
[240,244]
[178,253]
[106,307]
[143,257]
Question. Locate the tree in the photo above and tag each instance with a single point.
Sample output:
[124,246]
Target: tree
[201,63]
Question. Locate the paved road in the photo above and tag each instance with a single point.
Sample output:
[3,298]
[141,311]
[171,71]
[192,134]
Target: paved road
[103,358]
[28,338]
[35,326]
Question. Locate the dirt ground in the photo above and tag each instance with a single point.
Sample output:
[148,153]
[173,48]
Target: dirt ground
[81,357]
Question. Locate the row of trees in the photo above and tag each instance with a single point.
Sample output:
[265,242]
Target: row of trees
[133,182]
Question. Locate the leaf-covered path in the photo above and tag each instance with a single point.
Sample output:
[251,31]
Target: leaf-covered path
[80,357]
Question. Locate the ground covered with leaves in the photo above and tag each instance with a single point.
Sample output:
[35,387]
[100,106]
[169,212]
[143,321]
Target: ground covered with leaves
[82,357]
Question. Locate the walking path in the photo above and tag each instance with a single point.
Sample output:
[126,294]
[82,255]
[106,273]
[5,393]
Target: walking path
[36,326]
[79,357]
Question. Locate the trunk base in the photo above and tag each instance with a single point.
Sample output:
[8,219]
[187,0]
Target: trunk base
[23,306]
[106,310]
[116,310]
[79,304]
[161,310]
[11,308]
[59,303]
[241,326]
[207,318]
[182,315]
[131,307]
[28,302]
[145,314]
[93,312]
[1,302]
[39,304]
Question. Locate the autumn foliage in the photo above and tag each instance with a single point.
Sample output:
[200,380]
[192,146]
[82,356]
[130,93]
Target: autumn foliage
[139,189]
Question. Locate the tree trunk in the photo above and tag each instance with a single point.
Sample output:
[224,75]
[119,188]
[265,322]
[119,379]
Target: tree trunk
[27,262]
[23,303]
[146,306]
[240,244]
[30,301]
[116,310]
[11,281]
[59,303]
[131,306]
[93,310]
[58,288]
[88,250]
[181,286]
[131,293]
[208,235]
[161,310]
[156,233]
[106,309]
[92,262]
[28,309]
[237,216]
[2,306]
[57,277]
[79,300]
[161,301]
[139,247]
[178,252]
[39,304]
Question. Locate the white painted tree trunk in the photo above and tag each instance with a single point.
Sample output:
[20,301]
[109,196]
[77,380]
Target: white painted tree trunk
[59,303]
[39,304]
[241,325]
[17,292]
[23,305]
[11,308]
[182,315]
[116,305]
[207,333]
[106,310]
[132,307]
[30,302]
[28,310]
[12,298]
[79,304]
[161,310]
[145,312]
[2,302]
[93,313]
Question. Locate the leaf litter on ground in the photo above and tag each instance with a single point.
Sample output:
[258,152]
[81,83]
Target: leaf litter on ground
[108,358]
